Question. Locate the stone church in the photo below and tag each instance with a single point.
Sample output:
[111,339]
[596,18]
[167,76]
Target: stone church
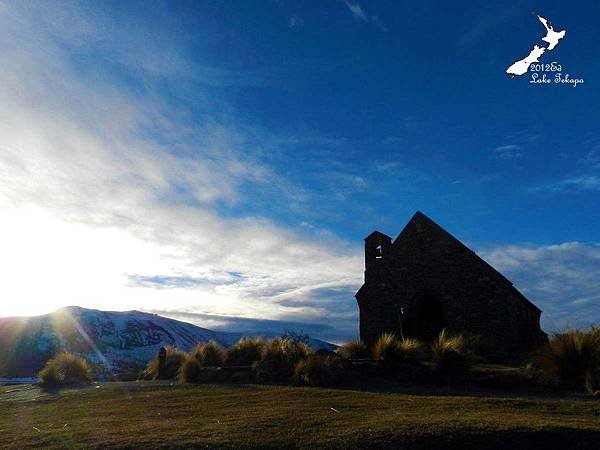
[426,280]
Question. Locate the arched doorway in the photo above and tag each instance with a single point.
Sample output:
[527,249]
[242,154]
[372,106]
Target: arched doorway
[429,317]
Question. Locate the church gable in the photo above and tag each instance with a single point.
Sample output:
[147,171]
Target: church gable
[423,237]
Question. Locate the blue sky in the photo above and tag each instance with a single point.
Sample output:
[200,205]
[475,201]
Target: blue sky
[228,158]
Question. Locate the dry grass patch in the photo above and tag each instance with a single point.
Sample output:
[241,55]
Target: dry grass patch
[572,358]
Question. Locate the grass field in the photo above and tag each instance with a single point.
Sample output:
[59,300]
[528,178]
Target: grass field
[153,415]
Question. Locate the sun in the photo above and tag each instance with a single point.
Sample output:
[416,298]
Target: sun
[48,263]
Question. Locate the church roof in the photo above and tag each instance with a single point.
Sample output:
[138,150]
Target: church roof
[377,233]
[421,225]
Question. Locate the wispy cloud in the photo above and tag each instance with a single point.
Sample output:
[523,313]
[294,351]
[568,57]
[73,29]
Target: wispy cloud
[248,325]
[510,151]
[579,183]
[114,198]
[171,281]
[357,11]
[592,158]
[563,280]
[359,14]
[295,22]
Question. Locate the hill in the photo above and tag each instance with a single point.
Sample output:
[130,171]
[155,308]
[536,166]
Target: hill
[116,343]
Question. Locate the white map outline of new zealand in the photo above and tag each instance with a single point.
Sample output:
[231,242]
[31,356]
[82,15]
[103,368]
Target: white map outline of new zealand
[552,37]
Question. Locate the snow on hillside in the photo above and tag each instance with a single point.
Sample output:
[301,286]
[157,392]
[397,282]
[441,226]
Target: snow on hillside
[115,342]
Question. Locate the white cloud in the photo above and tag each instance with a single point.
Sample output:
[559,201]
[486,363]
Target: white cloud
[563,280]
[578,183]
[359,14]
[357,11]
[511,151]
[110,196]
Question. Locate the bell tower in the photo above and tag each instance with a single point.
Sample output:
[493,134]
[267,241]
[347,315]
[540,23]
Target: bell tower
[377,252]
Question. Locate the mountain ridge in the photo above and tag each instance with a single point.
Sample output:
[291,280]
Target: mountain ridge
[117,343]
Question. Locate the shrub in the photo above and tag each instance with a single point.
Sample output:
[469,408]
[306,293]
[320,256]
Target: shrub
[411,350]
[573,359]
[353,350]
[318,371]
[174,360]
[279,359]
[386,348]
[449,355]
[50,376]
[65,369]
[391,351]
[190,370]
[210,354]
[245,351]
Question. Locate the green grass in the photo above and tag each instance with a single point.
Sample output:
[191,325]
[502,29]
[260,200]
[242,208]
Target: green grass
[159,415]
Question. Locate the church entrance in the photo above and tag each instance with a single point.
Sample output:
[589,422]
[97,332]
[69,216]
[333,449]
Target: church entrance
[429,318]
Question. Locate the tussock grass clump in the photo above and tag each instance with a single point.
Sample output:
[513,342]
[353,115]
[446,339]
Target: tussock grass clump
[210,354]
[354,350]
[318,371]
[411,350]
[386,348]
[65,369]
[245,351]
[190,370]
[389,349]
[572,358]
[450,355]
[174,360]
[279,359]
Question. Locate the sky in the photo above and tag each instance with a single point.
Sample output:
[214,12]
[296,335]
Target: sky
[222,162]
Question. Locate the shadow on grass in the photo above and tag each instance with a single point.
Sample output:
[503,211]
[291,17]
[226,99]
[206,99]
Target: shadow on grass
[558,438]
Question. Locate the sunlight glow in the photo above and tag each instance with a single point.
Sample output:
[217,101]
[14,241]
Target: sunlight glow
[48,263]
